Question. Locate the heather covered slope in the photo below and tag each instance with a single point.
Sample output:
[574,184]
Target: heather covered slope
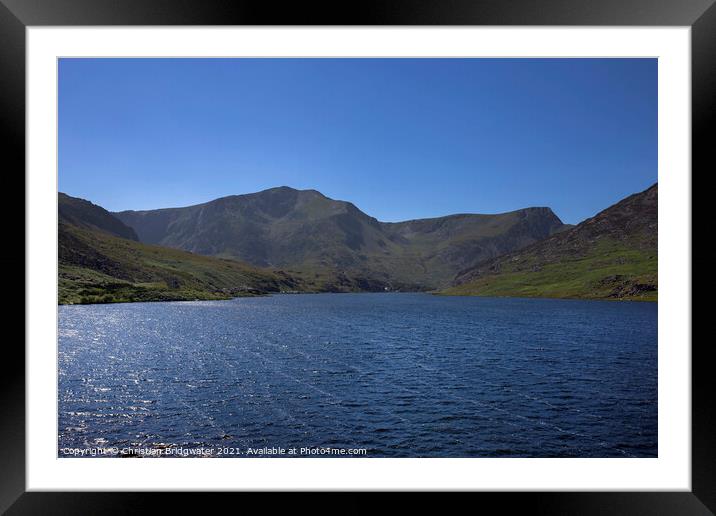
[612,255]
[97,266]
[336,245]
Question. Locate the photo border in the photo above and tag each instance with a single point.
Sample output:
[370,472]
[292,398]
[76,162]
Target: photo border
[700,15]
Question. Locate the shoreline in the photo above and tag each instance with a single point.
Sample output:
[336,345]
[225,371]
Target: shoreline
[432,293]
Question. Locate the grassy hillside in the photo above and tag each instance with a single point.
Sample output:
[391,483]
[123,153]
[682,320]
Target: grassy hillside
[610,256]
[608,271]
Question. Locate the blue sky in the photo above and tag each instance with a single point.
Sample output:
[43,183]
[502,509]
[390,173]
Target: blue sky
[400,138]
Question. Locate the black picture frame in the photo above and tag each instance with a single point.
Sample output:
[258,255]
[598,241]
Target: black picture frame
[16,15]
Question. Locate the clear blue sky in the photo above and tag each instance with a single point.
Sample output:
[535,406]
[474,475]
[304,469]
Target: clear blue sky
[400,138]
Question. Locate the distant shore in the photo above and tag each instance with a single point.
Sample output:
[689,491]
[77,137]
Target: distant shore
[178,298]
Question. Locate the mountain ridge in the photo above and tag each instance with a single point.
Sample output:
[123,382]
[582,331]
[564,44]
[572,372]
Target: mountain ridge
[306,231]
[314,191]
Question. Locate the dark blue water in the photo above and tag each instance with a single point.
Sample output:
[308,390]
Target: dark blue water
[399,375]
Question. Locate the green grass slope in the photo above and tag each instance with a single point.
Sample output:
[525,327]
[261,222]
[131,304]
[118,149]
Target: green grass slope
[610,256]
[96,267]
[608,271]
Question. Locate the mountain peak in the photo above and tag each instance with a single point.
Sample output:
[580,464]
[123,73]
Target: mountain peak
[284,188]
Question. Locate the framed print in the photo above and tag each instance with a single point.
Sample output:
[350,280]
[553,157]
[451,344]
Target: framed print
[417,249]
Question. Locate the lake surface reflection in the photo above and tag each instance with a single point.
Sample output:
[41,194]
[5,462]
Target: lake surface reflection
[399,375]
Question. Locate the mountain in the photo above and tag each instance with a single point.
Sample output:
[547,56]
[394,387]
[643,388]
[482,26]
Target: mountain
[335,246]
[612,255]
[442,246]
[84,214]
[100,260]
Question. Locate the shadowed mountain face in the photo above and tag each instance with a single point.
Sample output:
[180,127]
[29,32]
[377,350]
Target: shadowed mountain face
[335,243]
[611,255]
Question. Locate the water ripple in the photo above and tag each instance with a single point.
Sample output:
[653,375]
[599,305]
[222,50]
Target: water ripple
[402,375]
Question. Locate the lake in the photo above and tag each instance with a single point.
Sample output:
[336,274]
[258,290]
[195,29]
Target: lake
[375,375]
